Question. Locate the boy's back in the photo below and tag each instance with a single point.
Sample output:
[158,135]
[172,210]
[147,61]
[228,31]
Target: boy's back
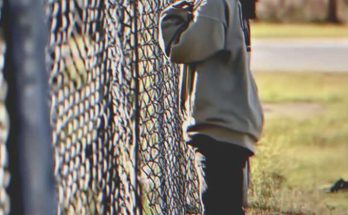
[217,87]
[223,117]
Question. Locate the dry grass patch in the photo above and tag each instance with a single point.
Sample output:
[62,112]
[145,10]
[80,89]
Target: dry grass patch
[299,111]
[297,158]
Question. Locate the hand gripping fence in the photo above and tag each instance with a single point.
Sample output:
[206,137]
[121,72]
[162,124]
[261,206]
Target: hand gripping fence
[117,138]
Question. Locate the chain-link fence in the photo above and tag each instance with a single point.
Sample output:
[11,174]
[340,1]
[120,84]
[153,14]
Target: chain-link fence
[4,130]
[114,111]
[166,162]
[116,127]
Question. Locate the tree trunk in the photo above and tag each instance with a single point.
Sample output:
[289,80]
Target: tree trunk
[332,16]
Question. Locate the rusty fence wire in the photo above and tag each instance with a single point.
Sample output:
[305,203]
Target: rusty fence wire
[118,146]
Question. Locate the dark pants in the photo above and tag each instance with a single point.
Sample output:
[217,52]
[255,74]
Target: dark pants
[223,168]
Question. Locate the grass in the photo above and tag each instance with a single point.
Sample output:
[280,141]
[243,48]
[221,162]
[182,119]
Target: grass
[308,30]
[298,157]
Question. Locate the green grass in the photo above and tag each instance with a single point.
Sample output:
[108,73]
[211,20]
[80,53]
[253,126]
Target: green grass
[310,31]
[298,157]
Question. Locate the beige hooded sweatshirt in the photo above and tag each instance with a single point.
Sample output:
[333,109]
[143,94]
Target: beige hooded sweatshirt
[218,93]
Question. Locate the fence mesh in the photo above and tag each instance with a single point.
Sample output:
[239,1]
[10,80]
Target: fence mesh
[167,163]
[4,130]
[114,111]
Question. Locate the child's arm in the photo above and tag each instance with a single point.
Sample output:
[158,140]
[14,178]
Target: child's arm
[188,36]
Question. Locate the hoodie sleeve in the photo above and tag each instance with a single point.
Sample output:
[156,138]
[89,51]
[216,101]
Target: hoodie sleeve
[188,36]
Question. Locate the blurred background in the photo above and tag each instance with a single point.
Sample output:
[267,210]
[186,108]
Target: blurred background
[303,10]
[300,62]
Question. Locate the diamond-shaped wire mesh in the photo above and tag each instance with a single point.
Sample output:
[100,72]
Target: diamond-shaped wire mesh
[91,108]
[167,163]
[4,131]
[114,111]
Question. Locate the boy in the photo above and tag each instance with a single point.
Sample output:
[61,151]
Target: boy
[223,115]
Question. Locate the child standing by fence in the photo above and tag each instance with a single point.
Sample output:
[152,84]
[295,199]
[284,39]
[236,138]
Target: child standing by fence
[219,99]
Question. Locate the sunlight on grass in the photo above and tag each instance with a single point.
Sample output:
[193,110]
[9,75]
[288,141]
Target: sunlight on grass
[302,87]
[310,30]
[297,158]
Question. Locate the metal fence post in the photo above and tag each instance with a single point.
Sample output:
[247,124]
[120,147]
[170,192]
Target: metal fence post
[30,151]
[139,209]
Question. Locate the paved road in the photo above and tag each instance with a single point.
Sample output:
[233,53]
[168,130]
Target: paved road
[325,55]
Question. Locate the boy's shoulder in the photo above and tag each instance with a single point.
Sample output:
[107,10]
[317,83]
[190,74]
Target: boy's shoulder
[213,8]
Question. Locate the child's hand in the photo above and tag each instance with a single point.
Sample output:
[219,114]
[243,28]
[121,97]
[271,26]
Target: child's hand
[185,5]
[178,13]
[182,10]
